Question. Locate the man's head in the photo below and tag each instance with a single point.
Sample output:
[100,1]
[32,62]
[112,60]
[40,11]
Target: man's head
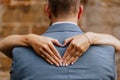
[64,8]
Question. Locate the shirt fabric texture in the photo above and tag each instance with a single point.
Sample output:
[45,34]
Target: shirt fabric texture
[97,63]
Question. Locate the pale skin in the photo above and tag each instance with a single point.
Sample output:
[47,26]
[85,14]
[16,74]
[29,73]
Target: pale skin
[80,44]
[44,45]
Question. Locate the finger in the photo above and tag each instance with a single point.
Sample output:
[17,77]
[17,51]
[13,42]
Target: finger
[67,41]
[71,60]
[70,47]
[49,57]
[66,61]
[49,61]
[50,52]
[76,58]
[56,42]
[55,52]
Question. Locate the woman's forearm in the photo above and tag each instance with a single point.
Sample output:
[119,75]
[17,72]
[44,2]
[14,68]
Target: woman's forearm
[105,39]
[40,44]
[8,43]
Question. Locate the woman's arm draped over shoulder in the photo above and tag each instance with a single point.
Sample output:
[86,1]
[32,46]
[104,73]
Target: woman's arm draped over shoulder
[40,44]
[80,44]
[105,39]
[8,43]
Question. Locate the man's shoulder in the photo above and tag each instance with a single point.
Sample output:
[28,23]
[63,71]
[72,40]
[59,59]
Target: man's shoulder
[22,50]
[102,48]
[101,52]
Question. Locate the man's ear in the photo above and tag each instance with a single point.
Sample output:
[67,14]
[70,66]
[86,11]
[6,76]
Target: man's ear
[47,10]
[80,12]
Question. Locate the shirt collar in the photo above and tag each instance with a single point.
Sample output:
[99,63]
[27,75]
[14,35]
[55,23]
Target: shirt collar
[64,26]
[64,22]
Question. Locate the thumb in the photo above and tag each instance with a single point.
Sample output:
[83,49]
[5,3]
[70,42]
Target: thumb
[56,42]
[67,41]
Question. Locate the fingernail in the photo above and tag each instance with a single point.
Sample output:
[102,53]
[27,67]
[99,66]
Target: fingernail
[51,63]
[60,64]
[63,64]
[66,64]
[72,63]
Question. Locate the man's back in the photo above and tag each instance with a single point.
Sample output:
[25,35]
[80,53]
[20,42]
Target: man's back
[96,64]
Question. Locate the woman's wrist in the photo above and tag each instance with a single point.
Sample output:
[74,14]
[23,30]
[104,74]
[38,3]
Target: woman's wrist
[105,39]
[29,39]
[90,36]
[115,42]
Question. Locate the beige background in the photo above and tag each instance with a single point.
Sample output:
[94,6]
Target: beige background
[27,16]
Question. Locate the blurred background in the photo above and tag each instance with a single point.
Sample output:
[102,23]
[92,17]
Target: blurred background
[27,16]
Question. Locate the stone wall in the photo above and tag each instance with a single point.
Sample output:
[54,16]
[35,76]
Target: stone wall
[27,16]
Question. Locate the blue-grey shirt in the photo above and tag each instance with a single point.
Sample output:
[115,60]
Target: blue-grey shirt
[97,63]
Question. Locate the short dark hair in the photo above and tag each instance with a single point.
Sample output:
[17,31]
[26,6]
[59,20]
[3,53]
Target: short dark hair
[63,7]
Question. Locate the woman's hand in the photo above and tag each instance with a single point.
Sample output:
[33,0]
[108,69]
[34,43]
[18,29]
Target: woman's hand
[78,45]
[44,47]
